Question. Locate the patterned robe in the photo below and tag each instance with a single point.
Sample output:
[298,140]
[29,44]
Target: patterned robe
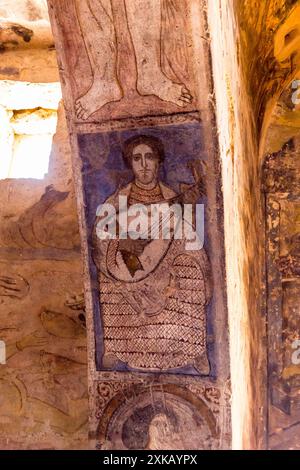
[155,320]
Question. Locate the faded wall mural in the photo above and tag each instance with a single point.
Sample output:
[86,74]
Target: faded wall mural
[154,293]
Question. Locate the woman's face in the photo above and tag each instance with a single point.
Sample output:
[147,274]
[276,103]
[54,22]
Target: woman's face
[145,164]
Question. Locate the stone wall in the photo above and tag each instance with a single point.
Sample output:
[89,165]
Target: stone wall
[43,384]
[242,206]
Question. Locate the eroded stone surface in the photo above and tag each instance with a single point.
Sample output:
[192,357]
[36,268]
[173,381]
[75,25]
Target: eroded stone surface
[44,382]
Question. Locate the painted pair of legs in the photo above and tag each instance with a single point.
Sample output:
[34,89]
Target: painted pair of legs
[144,22]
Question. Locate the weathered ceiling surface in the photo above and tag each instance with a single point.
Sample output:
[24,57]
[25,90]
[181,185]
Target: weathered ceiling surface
[19,10]
[27,41]
[265,76]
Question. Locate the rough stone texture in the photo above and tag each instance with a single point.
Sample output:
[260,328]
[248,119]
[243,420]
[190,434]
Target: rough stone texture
[255,58]
[280,149]
[41,278]
[44,381]
[43,386]
[122,70]
[154,416]
[29,121]
[243,232]
[265,76]
[253,78]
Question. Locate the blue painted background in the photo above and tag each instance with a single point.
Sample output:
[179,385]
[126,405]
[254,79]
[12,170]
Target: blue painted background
[104,171]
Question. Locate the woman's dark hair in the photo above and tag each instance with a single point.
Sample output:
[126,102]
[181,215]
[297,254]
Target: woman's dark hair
[153,142]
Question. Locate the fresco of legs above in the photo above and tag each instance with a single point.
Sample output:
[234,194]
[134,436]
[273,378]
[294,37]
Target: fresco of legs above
[118,60]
